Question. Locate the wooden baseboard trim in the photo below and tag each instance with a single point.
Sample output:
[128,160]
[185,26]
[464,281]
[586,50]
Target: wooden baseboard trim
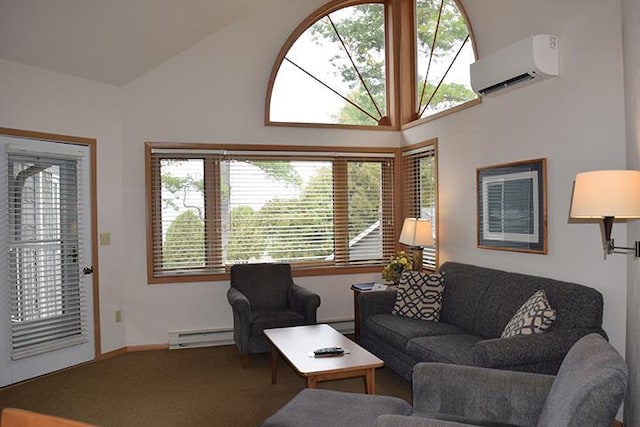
[112,353]
[131,349]
[147,347]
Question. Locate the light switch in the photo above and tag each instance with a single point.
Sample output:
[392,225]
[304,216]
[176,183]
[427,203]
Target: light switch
[105,239]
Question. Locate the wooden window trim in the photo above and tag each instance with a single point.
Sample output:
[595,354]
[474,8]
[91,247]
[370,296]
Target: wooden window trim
[299,270]
[409,195]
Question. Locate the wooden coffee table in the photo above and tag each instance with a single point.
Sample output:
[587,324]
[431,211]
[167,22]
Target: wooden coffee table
[296,344]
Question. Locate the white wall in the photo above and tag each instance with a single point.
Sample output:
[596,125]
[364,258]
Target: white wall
[575,120]
[215,92]
[38,100]
[631,40]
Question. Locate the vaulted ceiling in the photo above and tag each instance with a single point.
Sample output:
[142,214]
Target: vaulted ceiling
[109,41]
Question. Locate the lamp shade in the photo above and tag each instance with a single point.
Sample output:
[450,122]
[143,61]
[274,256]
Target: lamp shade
[606,193]
[416,232]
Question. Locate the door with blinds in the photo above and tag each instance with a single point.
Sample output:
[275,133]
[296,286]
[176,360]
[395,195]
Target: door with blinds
[46,298]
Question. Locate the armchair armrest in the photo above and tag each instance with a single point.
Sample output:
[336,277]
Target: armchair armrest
[522,350]
[304,301]
[241,308]
[239,303]
[479,395]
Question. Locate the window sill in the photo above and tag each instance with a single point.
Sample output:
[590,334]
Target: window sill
[297,272]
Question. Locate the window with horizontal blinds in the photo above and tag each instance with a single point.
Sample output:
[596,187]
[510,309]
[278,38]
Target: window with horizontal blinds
[213,208]
[46,298]
[420,186]
[510,207]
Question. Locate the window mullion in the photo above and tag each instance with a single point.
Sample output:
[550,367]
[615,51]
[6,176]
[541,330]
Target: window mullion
[154,195]
[213,213]
[341,211]
[406,72]
[388,209]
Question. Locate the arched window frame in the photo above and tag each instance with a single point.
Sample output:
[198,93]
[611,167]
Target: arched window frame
[401,65]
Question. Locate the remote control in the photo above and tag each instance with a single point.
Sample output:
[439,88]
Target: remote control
[328,351]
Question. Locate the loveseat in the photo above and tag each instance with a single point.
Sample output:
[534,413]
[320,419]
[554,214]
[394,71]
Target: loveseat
[477,304]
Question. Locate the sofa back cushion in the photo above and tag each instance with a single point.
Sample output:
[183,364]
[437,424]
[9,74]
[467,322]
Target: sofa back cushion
[266,285]
[496,295]
[465,288]
[589,387]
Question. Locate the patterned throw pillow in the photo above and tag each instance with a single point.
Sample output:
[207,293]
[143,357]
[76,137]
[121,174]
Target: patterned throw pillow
[419,295]
[534,317]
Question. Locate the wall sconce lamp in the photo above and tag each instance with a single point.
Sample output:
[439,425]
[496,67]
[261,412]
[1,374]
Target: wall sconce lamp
[416,233]
[608,194]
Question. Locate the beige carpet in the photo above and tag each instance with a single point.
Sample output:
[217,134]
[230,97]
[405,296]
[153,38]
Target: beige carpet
[193,387]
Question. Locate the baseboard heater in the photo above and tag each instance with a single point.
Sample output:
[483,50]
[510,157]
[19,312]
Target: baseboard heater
[224,336]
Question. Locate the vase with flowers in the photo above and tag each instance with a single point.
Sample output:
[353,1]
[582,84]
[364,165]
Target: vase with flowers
[397,265]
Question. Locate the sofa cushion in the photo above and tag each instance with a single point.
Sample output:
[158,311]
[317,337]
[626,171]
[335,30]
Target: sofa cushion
[419,295]
[456,348]
[397,330]
[267,319]
[533,317]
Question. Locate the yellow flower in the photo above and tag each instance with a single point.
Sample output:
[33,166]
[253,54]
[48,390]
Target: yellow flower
[397,264]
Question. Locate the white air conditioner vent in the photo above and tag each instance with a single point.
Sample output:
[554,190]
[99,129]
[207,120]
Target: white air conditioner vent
[531,59]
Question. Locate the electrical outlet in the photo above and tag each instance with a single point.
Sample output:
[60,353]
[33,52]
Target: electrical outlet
[118,316]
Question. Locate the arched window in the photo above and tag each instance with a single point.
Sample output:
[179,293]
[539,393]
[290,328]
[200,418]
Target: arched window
[377,63]
[444,53]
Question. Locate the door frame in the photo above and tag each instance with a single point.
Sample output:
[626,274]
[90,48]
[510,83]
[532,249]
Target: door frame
[92,144]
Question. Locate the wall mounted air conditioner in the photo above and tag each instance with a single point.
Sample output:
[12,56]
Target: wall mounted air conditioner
[529,60]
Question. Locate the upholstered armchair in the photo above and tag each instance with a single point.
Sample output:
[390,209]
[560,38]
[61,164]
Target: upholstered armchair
[264,296]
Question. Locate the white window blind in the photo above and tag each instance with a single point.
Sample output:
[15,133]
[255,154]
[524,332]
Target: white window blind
[211,209]
[510,207]
[47,300]
[420,193]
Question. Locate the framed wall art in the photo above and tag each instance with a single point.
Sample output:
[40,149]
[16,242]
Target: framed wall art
[512,206]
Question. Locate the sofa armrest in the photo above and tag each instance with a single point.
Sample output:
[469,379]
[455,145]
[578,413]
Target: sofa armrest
[479,395]
[376,302]
[389,420]
[304,301]
[522,350]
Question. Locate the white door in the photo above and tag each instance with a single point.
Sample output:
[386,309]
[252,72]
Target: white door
[46,289]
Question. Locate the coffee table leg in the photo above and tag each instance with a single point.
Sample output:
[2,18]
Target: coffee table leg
[370,381]
[274,364]
[312,382]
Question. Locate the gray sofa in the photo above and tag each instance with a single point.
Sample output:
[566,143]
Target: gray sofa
[588,390]
[477,304]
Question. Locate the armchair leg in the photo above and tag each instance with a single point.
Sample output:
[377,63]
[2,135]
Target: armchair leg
[244,360]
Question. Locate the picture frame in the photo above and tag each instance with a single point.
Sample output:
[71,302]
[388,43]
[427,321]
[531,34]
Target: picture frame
[512,206]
